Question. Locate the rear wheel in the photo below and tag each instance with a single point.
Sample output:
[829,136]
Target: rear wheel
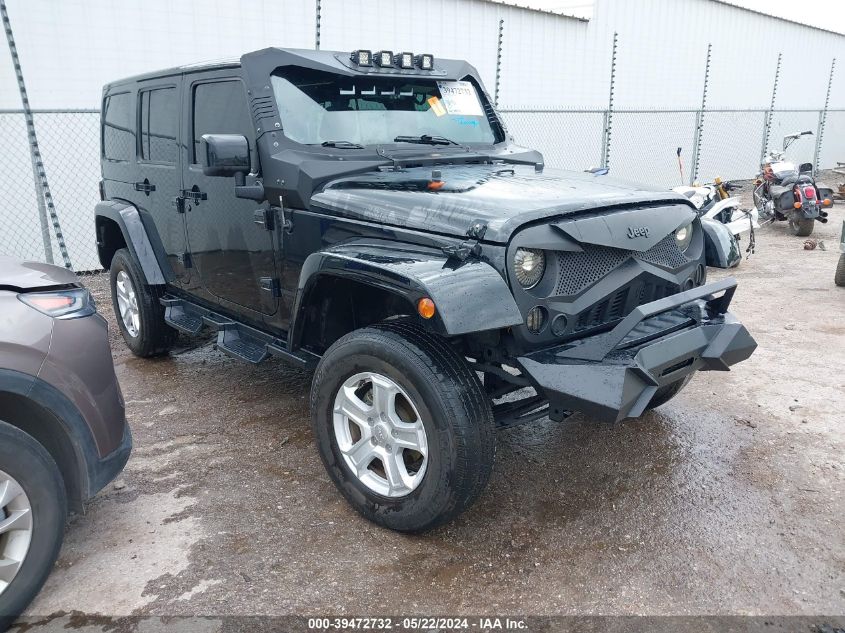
[402,425]
[802,227]
[665,393]
[33,510]
[140,316]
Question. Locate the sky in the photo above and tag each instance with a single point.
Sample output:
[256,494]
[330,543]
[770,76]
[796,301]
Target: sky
[826,14]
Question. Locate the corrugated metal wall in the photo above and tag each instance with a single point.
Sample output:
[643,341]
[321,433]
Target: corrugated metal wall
[69,48]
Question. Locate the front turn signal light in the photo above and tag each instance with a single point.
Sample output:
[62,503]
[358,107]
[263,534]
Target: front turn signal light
[425,308]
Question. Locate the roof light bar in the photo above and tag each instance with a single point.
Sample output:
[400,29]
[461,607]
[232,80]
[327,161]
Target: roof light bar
[362,57]
[383,59]
[386,59]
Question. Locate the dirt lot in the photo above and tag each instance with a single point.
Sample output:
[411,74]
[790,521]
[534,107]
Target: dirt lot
[728,500]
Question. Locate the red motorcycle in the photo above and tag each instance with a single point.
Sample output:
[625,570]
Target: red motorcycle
[785,192]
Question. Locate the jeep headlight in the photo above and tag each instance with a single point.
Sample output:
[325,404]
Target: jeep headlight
[683,236]
[529,264]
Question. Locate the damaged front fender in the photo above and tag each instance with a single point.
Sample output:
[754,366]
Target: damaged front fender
[470,296]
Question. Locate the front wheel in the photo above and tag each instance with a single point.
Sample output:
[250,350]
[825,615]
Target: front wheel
[403,426]
[839,277]
[33,509]
[802,227]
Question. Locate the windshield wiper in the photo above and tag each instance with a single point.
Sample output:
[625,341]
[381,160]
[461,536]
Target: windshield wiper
[342,144]
[426,139]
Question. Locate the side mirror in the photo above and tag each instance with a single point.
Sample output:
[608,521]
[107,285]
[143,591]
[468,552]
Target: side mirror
[810,132]
[805,168]
[224,155]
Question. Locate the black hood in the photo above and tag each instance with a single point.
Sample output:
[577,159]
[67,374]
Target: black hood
[504,197]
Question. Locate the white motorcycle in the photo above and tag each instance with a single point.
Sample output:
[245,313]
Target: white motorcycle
[722,219]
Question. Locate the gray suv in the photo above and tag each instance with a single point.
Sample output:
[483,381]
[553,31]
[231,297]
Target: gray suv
[63,432]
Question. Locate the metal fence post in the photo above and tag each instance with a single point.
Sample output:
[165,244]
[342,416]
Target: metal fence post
[498,64]
[608,115]
[42,208]
[699,122]
[767,123]
[318,17]
[43,194]
[823,117]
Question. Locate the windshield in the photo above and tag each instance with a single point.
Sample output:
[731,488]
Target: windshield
[320,107]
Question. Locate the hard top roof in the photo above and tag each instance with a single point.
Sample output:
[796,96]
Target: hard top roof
[267,58]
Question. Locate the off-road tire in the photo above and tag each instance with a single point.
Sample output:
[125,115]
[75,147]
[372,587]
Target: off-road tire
[154,337]
[802,227]
[452,404]
[22,457]
[839,277]
[665,393]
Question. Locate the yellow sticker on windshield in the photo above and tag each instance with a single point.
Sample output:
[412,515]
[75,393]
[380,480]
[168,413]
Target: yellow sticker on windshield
[436,106]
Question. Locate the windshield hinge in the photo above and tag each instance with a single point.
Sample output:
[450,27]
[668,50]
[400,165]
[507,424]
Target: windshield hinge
[467,248]
[264,217]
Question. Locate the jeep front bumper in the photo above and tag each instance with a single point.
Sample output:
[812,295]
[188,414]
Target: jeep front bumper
[613,375]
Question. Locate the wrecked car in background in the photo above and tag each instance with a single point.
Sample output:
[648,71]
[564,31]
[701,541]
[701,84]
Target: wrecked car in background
[367,216]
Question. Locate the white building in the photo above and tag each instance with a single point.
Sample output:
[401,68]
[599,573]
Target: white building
[70,48]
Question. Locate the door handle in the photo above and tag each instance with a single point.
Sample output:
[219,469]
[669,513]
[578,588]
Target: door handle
[145,186]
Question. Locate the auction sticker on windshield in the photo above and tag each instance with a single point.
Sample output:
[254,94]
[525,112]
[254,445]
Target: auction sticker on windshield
[459,97]
[436,106]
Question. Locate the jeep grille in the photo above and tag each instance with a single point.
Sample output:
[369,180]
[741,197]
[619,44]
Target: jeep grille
[579,271]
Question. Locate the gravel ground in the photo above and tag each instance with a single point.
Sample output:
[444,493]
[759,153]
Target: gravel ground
[727,500]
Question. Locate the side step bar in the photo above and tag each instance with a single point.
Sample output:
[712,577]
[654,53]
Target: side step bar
[235,339]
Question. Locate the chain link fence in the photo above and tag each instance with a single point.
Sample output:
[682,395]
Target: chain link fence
[641,146]
[69,144]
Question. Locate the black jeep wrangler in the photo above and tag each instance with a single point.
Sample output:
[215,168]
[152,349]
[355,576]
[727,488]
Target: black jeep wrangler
[368,216]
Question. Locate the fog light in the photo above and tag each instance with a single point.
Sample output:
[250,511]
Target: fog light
[559,325]
[536,319]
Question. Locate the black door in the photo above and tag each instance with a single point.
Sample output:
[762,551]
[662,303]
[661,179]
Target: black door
[158,176]
[232,255]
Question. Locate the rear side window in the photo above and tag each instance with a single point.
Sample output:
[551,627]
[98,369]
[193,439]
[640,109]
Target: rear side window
[220,108]
[159,122]
[118,128]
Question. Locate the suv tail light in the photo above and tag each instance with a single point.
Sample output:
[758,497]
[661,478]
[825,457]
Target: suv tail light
[72,303]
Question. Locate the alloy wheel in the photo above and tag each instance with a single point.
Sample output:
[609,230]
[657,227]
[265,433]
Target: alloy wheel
[15,528]
[127,303]
[380,434]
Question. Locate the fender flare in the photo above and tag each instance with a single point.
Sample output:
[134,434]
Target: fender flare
[720,246]
[68,418]
[470,296]
[131,224]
